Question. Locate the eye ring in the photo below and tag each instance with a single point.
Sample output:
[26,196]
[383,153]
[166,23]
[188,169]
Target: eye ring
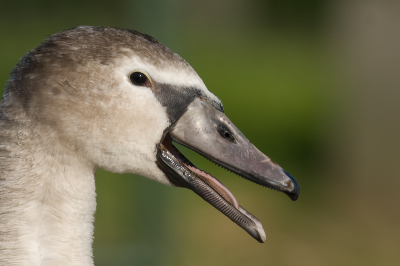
[139,79]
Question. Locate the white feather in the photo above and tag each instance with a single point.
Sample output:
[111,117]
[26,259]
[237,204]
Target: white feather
[48,155]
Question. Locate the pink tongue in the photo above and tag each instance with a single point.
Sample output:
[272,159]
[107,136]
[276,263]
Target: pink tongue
[216,185]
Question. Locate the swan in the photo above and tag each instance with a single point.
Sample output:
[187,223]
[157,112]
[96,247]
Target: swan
[93,97]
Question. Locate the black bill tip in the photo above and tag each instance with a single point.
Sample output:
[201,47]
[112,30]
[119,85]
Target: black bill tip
[295,192]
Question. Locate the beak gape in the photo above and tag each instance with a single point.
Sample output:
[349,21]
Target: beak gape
[209,132]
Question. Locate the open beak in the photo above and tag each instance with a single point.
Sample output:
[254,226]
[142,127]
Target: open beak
[209,132]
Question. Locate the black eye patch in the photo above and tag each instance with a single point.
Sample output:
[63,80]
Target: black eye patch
[177,98]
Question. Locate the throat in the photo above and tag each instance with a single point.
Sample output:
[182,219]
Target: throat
[47,204]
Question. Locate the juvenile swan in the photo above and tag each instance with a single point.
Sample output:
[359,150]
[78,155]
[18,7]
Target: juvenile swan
[95,97]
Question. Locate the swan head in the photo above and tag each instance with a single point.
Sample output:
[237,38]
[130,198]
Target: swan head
[119,98]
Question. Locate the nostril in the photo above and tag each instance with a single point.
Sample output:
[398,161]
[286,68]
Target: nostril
[229,136]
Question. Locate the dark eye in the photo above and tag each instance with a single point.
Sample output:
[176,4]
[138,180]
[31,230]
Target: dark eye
[139,79]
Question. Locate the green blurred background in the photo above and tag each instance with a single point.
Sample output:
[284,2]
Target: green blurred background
[314,84]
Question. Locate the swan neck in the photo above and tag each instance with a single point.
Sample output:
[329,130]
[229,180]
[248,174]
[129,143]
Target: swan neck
[47,199]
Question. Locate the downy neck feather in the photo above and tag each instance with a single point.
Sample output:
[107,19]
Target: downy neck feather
[47,195]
